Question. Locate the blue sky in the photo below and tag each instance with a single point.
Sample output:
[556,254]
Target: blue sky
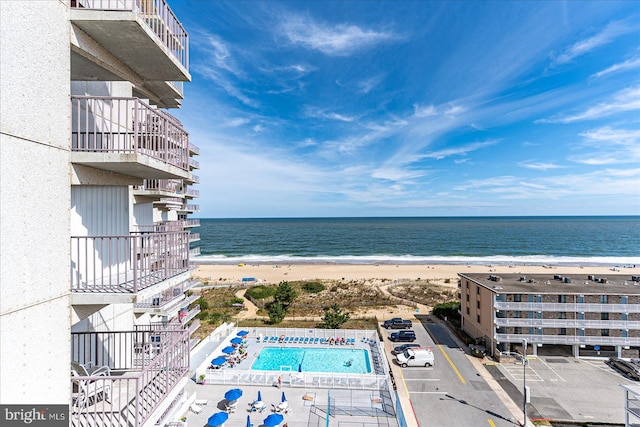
[416,108]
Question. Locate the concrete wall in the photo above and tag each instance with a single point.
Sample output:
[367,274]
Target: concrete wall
[34,189]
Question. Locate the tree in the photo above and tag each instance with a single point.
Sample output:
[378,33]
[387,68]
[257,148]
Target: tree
[276,312]
[334,317]
[285,294]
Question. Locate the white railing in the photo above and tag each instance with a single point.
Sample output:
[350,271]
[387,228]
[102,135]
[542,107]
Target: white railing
[568,339]
[568,323]
[157,15]
[568,307]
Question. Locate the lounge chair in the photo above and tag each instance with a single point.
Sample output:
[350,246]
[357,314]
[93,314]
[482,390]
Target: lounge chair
[316,340]
[196,409]
[286,340]
[89,369]
[306,340]
[323,340]
[295,340]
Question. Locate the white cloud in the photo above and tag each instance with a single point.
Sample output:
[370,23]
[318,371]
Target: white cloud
[336,40]
[426,111]
[606,36]
[625,100]
[609,146]
[539,165]
[330,115]
[629,64]
[457,151]
[366,85]
[235,122]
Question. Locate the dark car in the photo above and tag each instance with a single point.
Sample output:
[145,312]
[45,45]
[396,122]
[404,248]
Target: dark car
[388,322]
[401,348]
[403,324]
[408,336]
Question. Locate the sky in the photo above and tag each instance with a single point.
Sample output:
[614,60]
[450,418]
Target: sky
[413,108]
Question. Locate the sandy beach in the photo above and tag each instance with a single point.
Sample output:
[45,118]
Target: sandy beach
[269,273]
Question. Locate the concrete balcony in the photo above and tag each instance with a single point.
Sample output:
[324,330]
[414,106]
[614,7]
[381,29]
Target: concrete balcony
[191,193]
[144,35]
[127,269]
[567,323]
[194,237]
[567,307]
[567,339]
[169,302]
[191,223]
[147,369]
[190,208]
[194,251]
[129,137]
[169,203]
[193,163]
[194,149]
[192,179]
[158,188]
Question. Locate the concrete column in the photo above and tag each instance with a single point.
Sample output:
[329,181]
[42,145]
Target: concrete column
[576,350]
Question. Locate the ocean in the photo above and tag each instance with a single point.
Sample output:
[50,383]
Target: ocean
[579,240]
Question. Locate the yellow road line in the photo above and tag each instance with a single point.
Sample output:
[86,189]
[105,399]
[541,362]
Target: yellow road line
[451,363]
[448,359]
[491,423]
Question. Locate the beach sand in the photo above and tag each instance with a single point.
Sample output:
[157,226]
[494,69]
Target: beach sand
[346,272]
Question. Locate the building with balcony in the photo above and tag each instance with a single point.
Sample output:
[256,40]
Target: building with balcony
[581,315]
[96,181]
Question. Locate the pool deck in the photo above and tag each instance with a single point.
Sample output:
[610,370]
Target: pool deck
[350,407]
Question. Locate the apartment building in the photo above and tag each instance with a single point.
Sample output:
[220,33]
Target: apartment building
[580,315]
[97,185]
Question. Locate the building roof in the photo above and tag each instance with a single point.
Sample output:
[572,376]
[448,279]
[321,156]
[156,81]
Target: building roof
[623,284]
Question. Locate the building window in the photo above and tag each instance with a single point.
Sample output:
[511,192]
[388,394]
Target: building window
[467,311]
[517,330]
[562,331]
[478,304]
[478,318]
[478,290]
[517,314]
[604,316]
[517,298]
[467,297]
[604,332]
[624,316]
[562,315]
[604,299]
[562,299]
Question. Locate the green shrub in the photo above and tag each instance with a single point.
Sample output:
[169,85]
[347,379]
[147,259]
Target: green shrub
[447,309]
[313,287]
[260,292]
[236,300]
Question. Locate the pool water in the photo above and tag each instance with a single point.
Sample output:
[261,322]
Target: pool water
[338,360]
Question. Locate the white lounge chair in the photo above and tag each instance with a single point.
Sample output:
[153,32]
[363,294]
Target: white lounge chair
[196,409]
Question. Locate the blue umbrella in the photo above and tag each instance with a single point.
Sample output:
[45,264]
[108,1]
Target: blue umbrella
[236,340]
[242,333]
[284,399]
[259,397]
[228,350]
[249,421]
[233,394]
[217,419]
[218,361]
[273,420]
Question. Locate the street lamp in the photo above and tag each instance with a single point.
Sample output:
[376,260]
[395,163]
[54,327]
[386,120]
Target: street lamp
[524,380]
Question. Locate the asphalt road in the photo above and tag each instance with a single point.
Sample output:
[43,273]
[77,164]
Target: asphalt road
[451,393]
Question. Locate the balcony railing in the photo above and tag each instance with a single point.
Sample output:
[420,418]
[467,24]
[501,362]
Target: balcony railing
[144,367]
[194,237]
[192,193]
[568,339]
[157,15]
[169,299]
[127,126]
[188,207]
[194,251]
[127,264]
[178,86]
[193,163]
[194,148]
[160,185]
[191,222]
[568,307]
[568,323]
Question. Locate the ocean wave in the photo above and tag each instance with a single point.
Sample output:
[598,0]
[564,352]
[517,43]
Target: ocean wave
[420,260]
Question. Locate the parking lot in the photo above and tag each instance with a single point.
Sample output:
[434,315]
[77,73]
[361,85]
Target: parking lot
[565,388]
[455,392]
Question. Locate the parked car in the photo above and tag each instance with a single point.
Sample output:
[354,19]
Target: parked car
[401,348]
[403,324]
[388,322]
[408,336]
[416,357]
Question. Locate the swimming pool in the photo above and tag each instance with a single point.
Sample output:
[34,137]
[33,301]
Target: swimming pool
[338,360]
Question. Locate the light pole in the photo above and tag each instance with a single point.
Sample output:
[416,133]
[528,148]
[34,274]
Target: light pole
[524,381]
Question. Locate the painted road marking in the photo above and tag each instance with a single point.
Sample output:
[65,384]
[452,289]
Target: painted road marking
[446,356]
[491,423]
